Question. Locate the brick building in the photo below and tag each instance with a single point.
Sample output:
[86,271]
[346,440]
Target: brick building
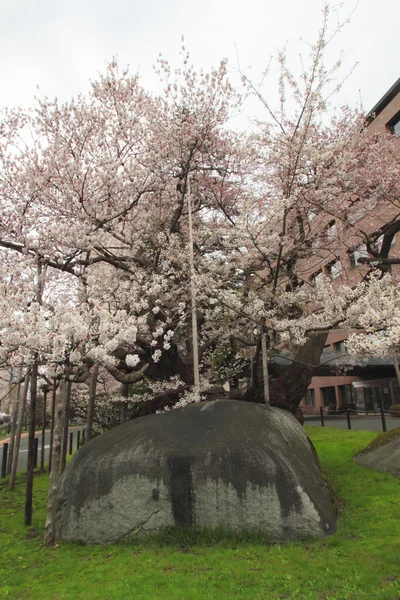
[365,385]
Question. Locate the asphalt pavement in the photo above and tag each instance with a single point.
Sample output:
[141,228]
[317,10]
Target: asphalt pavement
[23,448]
[358,422]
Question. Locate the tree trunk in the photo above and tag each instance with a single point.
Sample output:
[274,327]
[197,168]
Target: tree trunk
[92,399]
[123,414]
[32,410]
[396,368]
[65,432]
[289,388]
[11,483]
[31,445]
[14,416]
[50,525]
[290,384]
[45,392]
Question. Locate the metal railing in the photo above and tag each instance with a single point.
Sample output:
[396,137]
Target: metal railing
[348,413]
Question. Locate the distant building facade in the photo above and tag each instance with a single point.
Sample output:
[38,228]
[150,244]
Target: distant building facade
[374,381]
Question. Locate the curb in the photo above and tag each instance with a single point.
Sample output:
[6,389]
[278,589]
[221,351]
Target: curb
[23,435]
[26,434]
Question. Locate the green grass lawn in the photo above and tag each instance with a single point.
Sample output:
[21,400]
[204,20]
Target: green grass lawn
[362,560]
[4,433]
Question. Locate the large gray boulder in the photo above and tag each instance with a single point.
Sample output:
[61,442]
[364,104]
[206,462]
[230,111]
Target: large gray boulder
[383,453]
[225,463]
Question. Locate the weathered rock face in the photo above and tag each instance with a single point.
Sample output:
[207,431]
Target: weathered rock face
[383,454]
[225,463]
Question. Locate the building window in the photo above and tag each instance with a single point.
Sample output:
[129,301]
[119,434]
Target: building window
[309,398]
[355,213]
[334,269]
[330,232]
[357,253]
[347,396]
[394,124]
[340,347]
[317,278]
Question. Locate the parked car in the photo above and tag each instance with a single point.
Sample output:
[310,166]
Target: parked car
[4,418]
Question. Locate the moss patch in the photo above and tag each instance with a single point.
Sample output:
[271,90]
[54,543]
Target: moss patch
[381,440]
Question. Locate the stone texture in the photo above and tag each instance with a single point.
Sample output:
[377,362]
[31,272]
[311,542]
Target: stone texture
[225,463]
[384,457]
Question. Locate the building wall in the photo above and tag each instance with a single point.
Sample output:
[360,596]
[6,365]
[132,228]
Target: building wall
[379,123]
[341,247]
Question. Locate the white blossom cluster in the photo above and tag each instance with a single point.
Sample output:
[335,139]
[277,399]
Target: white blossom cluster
[94,232]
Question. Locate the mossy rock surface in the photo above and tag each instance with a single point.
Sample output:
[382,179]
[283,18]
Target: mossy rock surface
[383,453]
[224,464]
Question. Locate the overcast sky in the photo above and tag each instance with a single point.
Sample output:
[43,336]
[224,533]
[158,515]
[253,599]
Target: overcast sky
[61,45]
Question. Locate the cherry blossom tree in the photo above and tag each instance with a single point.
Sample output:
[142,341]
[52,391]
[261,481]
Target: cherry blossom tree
[97,190]
[95,210]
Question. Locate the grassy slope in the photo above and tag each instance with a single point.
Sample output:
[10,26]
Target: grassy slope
[360,561]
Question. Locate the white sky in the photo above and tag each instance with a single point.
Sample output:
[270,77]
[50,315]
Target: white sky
[61,45]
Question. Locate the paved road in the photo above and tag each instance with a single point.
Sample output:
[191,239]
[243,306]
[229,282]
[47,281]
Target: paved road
[358,422]
[23,449]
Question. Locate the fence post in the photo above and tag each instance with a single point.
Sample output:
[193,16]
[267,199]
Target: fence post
[383,418]
[71,441]
[35,448]
[78,439]
[348,418]
[321,412]
[83,436]
[4,461]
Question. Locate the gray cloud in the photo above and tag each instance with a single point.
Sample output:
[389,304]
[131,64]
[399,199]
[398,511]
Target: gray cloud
[60,46]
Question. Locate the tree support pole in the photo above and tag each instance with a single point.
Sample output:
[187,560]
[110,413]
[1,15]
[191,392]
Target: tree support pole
[265,367]
[66,419]
[14,418]
[11,483]
[195,343]
[50,526]
[31,446]
[92,399]
[53,408]
[45,391]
